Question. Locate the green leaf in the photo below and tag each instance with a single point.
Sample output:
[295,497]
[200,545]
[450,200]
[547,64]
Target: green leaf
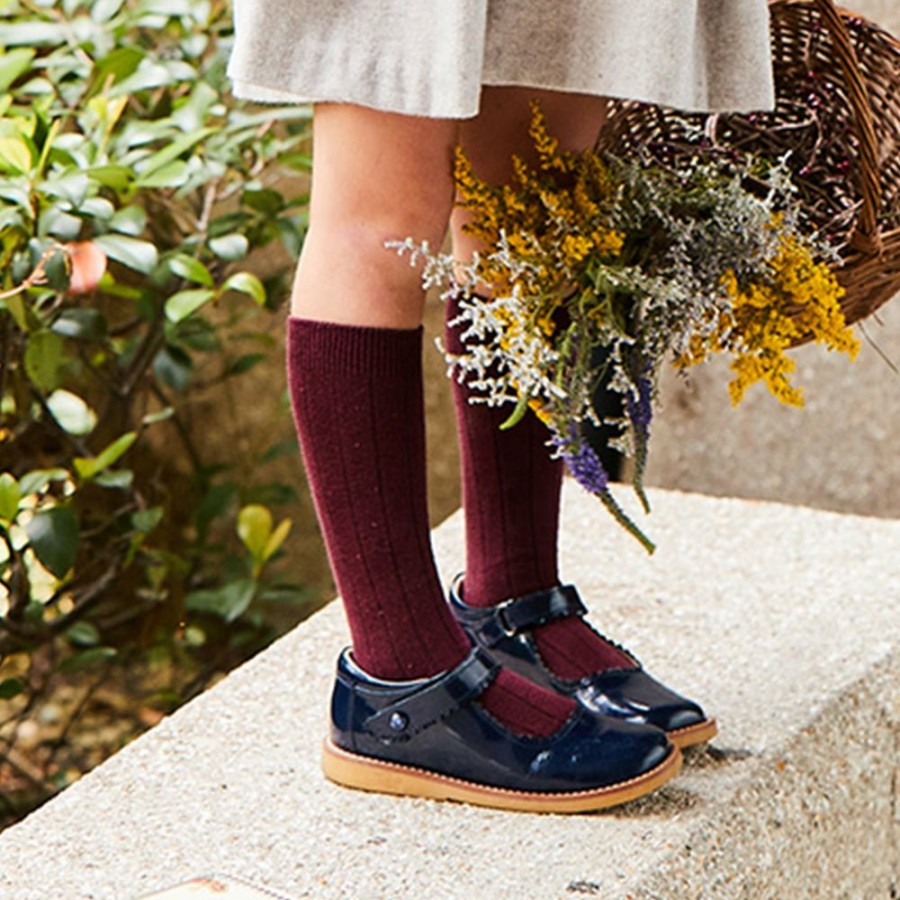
[194,636]
[104,10]
[246,284]
[85,659]
[148,75]
[36,481]
[191,113]
[99,209]
[20,311]
[265,200]
[11,220]
[88,468]
[11,687]
[191,269]
[217,501]
[146,520]
[120,63]
[130,220]
[164,158]
[15,154]
[229,602]
[185,303]
[254,526]
[116,177]
[245,363]
[173,367]
[71,413]
[80,323]
[17,192]
[141,256]
[58,223]
[194,333]
[14,63]
[175,8]
[174,175]
[73,187]
[10,494]
[230,246]
[161,416]
[44,359]
[53,534]
[33,33]
[277,538]
[115,479]
[83,634]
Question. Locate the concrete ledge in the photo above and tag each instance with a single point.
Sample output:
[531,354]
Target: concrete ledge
[784,621]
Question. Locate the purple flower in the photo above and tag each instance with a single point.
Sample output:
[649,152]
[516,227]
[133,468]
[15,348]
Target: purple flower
[640,410]
[582,462]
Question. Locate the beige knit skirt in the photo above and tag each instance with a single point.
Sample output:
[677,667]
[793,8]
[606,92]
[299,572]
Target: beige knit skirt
[431,57]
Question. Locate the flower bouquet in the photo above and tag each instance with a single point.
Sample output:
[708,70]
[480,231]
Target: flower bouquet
[599,267]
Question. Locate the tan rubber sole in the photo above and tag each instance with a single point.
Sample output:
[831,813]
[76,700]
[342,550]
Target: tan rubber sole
[694,734]
[368,774]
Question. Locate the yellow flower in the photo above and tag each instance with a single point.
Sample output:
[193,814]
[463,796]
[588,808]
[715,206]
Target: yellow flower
[540,410]
[574,248]
[801,303]
[547,146]
[608,243]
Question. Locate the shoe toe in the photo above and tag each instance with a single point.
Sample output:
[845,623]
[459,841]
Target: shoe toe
[634,695]
[597,750]
[634,749]
[677,717]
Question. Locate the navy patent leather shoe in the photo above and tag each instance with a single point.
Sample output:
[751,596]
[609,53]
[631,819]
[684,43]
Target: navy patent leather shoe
[625,693]
[431,738]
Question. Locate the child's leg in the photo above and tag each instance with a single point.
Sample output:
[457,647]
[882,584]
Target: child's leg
[356,384]
[511,486]
[378,177]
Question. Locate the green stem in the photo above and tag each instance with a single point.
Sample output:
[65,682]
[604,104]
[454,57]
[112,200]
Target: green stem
[640,465]
[626,521]
[516,415]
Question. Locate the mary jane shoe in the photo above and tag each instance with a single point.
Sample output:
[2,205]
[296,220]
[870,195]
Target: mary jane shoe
[627,693]
[431,738]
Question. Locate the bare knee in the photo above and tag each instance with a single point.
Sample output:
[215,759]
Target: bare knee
[377,177]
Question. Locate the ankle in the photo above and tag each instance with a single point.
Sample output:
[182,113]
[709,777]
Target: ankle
[525,708]
[491,589]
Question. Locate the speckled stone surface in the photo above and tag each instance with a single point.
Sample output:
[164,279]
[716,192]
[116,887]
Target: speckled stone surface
[783,621]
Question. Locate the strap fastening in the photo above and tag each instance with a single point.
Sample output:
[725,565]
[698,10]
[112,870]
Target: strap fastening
[435,700]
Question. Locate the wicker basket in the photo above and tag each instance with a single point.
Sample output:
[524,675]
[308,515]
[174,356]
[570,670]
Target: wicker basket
[837,82]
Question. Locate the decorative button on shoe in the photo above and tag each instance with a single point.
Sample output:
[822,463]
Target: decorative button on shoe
[431,738]
[626,693]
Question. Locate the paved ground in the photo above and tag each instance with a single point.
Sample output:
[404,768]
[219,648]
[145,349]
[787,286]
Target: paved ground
[782,620]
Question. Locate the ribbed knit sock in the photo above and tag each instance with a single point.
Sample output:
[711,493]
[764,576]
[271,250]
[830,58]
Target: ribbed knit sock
[511,493]
[358,407]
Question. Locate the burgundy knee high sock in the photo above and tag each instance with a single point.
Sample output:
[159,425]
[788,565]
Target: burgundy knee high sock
[358,407]
[511,493]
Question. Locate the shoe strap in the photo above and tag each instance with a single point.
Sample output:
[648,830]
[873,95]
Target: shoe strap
[530,611]
[435,700]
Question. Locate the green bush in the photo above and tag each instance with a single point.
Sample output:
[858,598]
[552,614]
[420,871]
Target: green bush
[133,188]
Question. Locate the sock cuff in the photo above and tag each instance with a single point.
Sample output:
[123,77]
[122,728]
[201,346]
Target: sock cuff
[335,347]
